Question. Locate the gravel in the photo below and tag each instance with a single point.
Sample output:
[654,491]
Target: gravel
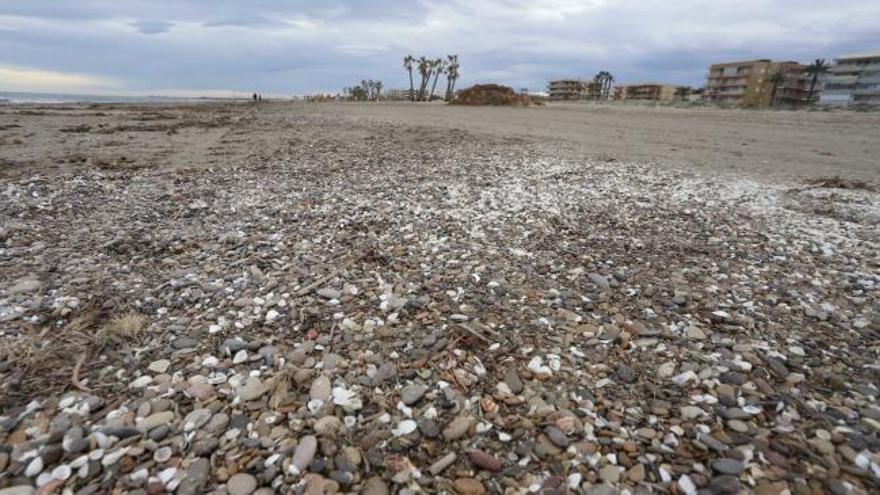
[436,312]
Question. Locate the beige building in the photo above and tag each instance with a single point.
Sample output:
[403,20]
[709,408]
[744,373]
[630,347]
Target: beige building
[645,92]
[756,83]
[573,89]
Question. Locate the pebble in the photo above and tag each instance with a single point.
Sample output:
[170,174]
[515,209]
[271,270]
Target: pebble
[160,366]
[320,389]
[441,464]
[456,428]
[196,477]
[513,381]
[727,466]
[375,486]
[241,484]
[251,389]
[413,393]
[484,461]
[468,486]
[155,420]
[305,452]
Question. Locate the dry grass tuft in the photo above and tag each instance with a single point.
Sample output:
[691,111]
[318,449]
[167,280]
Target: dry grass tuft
[43,358]
[122,329]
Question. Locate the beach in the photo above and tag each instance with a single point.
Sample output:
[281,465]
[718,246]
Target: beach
[374,298]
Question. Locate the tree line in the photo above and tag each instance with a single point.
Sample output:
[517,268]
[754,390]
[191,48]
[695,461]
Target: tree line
[367,90]
[428,69]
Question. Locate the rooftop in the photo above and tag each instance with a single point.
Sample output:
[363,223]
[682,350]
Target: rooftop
[862,55]
[744,62]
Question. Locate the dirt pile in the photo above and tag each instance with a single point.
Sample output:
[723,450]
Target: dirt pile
[491,94]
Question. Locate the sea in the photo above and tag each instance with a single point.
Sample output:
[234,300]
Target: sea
[19,97]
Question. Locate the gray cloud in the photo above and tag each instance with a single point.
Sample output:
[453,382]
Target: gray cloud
[298,46]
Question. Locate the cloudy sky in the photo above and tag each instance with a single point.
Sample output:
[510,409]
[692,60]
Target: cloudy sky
[300,46]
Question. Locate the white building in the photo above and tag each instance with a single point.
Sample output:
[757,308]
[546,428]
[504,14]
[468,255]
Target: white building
[853,80]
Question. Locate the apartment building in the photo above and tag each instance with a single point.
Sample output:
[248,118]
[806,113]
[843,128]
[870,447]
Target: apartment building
[853,80]
[740,83]
[567,89]
[757,83]
[790,84]
[573,89]
[645,92]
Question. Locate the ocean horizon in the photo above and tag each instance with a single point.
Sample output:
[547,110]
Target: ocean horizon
[35,97]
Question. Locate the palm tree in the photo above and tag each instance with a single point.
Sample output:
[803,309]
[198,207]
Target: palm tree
[439,68]
[601,85]
[408,65]
[451,75]
[607,89]
[775,79]
[817,68]
[425,73]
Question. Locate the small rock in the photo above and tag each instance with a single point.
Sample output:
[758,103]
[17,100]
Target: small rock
[196,477]
[610,473]
[485,461]
[241,484]
[375,486]
[305,452]
[321,389]
[468,486]
[160,366]
[557,437]
[457,428]
[413,393]
[694,333]
[727,466]
[513,381]
[442,463]
[251,389]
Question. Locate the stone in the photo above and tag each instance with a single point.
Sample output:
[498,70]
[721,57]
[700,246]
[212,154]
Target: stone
[196,477]
[725,485]
[636,473]
[196,419]
[441,464]
[413,393]
[457,428]
[483,460]
[18,490]
[375,486]
[610,473]
[727,466]
[557,437]
[468,486]
[321,389]
[251,389]
[694,333]
[241,484]
[159,366]
[513,381]
[305,452]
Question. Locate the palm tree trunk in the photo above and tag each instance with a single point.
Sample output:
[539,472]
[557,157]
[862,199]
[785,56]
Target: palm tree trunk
[434,87]
[813,85]
[412,96]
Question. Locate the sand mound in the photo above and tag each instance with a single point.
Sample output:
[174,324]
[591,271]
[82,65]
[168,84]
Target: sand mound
[491,94]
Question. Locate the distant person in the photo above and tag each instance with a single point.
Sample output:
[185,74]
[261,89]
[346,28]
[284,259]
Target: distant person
[255,97]
[259,98]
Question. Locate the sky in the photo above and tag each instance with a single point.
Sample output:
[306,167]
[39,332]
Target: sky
[286,47]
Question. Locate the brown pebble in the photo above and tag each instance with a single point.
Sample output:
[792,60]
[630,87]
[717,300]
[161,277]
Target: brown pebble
[484,461]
